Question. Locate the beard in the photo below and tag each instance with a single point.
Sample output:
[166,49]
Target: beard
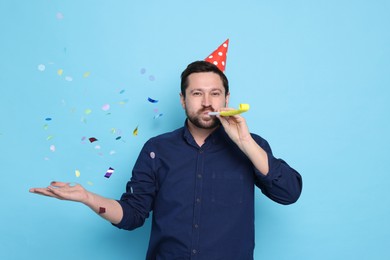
[203,121]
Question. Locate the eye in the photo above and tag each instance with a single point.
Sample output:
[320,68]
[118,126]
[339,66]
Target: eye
[196,93]
[216,93]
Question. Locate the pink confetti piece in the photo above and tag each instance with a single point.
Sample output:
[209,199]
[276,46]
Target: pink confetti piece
[109,172]
[105,107]
[98,147]
[59,16]
[52,148]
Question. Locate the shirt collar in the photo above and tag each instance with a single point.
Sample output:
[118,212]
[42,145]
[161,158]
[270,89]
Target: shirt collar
[215,137]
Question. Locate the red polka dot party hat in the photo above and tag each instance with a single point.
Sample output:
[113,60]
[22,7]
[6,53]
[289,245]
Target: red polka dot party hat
[218,57]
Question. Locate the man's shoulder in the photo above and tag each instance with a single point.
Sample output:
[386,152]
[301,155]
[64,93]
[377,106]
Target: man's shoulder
[168,136]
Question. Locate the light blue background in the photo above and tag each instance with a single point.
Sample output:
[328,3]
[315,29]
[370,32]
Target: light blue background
[316,74]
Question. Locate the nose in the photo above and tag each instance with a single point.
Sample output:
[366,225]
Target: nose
[206,100]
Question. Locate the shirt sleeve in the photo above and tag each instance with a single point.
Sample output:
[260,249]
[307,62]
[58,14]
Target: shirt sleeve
[137,201]
[282,184]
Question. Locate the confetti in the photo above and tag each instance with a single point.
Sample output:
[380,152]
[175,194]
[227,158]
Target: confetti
[52,148]
[152,155]
[157,116]
[59,16]
[48,119]
[151,78]
[93,139]
[77,173]
[41,67]
[119,137]
[86,74]
[102,210]
[123,102]
[68,78]
[113,130]
[109,172]
[45,126]
[83,138]
[122,91]
[49,137]
[90,183]
[98,147]
[112,152]
[88,111]
[105,107]
[60,71]
[142,71]
[151,100]
[135,132]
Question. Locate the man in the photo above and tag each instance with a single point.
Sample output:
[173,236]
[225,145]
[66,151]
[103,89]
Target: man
[198,180]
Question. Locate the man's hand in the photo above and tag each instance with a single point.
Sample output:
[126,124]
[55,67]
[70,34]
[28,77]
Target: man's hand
[109,209]
[237,129]
[63,191]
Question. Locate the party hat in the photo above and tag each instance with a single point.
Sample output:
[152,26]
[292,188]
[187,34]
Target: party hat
[218,57]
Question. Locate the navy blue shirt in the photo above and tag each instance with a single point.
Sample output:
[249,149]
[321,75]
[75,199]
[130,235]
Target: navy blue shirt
[202,198]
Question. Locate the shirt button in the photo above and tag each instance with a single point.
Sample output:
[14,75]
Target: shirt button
[194,251]
[198,200]
[196,225]
[199,176]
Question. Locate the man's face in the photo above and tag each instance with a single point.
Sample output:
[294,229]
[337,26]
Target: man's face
[205,93]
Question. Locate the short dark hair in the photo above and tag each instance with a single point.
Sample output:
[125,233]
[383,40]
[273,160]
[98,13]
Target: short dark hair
[202,66]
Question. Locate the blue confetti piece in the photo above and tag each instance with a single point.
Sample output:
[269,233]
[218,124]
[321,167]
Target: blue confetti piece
[152,100]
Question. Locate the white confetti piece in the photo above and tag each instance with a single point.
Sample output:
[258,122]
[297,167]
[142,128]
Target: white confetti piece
[41,67]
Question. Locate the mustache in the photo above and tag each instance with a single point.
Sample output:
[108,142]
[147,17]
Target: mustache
[206,109]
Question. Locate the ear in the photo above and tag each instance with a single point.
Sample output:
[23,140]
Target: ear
[182,101]
[227,99]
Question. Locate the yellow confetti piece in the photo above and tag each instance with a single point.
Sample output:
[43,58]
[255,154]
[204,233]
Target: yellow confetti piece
[77,173]
[113,130]
[135,132]
[86,74]
[49,137]
[90,183]
[60,71]
[88,111]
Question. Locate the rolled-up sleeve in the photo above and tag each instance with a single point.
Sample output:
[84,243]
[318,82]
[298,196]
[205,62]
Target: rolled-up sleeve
[137,201]
[282,184]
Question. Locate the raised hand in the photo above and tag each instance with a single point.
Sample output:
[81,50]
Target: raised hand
[63,191]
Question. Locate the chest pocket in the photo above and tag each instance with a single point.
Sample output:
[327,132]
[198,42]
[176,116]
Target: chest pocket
[227,188]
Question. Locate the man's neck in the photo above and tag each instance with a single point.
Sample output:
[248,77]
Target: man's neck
[199,134]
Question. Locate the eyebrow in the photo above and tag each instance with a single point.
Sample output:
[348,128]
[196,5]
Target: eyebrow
[202,90]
